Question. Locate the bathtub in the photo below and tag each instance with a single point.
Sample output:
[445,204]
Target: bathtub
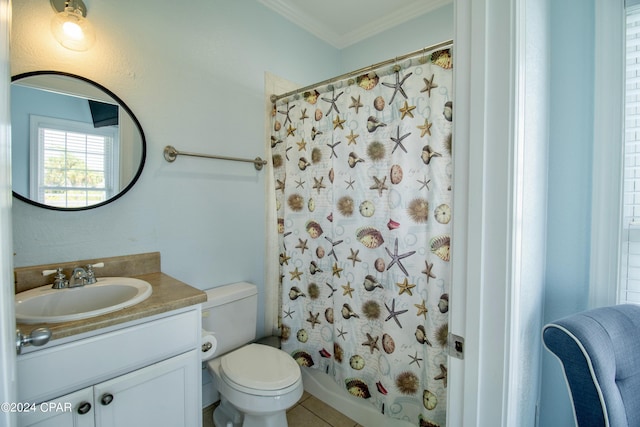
[327,390]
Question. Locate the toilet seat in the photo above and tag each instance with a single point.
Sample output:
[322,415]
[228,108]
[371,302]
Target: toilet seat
[260,369]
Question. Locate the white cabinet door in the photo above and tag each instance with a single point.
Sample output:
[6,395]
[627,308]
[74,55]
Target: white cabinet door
[163,394]
[72,410]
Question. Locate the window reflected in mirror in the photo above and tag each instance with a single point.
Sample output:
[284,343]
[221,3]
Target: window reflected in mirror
[75,145]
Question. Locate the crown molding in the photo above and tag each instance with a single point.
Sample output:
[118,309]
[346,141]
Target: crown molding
[288,10]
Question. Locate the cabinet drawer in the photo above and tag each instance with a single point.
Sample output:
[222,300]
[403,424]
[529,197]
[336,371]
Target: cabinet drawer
[62,369]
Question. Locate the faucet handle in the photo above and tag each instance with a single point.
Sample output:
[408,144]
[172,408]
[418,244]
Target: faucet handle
[49,272]
[60,281]
[91,275]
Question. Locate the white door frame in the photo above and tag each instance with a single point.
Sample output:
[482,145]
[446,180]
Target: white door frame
[499,210]
[7,320]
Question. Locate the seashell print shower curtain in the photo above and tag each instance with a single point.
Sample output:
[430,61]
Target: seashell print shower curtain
[363,191]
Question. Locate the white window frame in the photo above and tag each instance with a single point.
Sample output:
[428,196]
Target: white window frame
[608,151]
[36,152]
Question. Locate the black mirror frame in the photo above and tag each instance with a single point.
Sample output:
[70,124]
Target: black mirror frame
[122,105]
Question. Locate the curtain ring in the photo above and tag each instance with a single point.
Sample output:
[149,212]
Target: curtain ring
[423,59]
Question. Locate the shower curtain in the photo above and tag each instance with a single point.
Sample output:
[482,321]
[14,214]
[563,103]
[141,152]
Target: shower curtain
[362,171]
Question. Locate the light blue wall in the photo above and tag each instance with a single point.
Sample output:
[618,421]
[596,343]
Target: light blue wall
[420,32]
[569,194]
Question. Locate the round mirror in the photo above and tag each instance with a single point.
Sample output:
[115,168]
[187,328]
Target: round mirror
[75,145]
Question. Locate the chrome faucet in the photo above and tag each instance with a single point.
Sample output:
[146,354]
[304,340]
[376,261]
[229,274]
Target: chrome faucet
[78,277]
[91,275]
[60,281]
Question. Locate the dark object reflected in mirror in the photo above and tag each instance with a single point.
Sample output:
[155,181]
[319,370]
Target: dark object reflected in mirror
[74,144]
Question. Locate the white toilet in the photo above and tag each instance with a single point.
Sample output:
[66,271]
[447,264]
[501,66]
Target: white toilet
[256,383]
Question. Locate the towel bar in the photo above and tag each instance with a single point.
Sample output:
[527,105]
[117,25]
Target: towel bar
[170,155]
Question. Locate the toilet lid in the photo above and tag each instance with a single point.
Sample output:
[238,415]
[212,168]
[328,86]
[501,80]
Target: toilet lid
[260,367]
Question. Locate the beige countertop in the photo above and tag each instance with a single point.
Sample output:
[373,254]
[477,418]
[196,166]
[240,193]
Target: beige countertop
[168,294]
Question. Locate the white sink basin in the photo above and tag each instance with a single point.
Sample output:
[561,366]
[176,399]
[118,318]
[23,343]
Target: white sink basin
[46,305]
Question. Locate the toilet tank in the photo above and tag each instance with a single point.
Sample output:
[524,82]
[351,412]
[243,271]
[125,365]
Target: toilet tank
[231,312]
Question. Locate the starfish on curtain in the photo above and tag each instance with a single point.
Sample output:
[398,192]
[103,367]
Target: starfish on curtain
[415,359]
[354,256]
[349,183]
[379,185]
[429,84]
[302,245]
[395,258]
[407,110]
[318,185]
[443,375]
[425,129]
[333,245]
[348,290]
[303,115]
[336,270]
[333,149]
[342,333]
[372,343]
[295,274]
[425,183]
[398,140]
[352,138]
[422,309]
[355,103]
[332,101]
[284,259]
[405,287]
[428,272]
[286,113]
[397,87]
[313,319]
[393,314]
[332,290]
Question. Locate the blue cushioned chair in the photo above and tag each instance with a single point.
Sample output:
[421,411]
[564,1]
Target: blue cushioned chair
[600,353]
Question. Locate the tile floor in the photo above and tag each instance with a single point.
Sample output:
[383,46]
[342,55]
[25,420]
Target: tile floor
[308,412]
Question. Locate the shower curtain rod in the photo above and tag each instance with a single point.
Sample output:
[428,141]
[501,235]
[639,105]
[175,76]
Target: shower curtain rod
[364,70]
[170,154]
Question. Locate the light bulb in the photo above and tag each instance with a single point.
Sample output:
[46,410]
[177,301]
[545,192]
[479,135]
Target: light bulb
[72,30]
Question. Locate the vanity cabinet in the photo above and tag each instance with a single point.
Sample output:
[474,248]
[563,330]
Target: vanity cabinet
[145,374]
[67,410]
[149,397]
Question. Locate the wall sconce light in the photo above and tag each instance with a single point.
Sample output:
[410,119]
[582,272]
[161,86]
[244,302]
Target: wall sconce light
[69,25]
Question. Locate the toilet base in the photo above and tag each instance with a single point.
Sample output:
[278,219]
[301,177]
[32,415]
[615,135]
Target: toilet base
[226,415]
[276,419]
